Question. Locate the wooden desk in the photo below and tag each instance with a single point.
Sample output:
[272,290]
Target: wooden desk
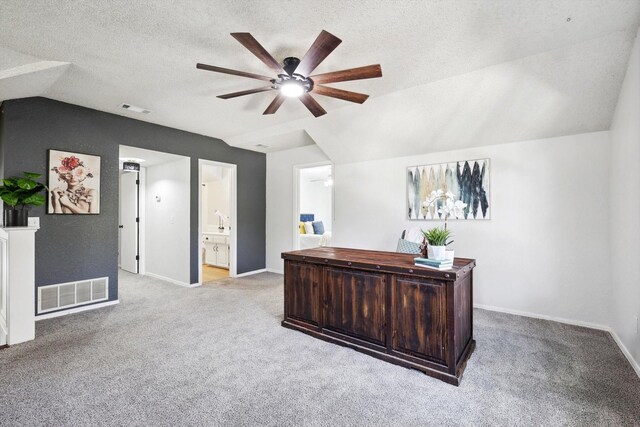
[381,304]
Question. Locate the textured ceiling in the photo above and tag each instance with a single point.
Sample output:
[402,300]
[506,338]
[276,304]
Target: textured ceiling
[456,73]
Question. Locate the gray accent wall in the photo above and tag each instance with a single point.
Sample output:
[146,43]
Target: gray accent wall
[76,247]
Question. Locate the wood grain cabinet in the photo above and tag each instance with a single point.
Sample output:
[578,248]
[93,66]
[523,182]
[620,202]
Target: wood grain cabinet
[354,304]
[379,303]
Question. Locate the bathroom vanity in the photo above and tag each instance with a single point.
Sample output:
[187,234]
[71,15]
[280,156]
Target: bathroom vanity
[216,248]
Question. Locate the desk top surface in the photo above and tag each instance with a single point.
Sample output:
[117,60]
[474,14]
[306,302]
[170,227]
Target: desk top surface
[378,260]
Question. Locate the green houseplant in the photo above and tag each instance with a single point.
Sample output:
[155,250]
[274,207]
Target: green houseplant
[21,192]
[438,239]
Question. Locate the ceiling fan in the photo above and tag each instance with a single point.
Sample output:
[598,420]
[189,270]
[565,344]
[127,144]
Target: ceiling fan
[293,76]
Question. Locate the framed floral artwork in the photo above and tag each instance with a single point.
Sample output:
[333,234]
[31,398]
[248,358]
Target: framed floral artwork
[74,183]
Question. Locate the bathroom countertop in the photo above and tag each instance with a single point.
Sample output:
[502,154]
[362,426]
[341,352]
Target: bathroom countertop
[217,233]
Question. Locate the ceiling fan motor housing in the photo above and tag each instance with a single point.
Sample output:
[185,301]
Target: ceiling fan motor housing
[290,64]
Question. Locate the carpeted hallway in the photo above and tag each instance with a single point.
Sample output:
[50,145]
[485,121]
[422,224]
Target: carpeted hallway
[217,356]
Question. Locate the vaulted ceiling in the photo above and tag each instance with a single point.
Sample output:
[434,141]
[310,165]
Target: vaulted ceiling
[456,74]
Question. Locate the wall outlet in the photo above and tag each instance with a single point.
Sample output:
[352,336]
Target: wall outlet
[34,221]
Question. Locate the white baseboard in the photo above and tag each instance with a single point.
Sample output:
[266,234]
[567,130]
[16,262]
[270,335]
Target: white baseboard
[614,336]
[543,317]
[170,280]
[273,270]
[251,273]
[76,310]
[626,352]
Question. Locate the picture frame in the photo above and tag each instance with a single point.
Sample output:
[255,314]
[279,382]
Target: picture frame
[467,180]
[74,183]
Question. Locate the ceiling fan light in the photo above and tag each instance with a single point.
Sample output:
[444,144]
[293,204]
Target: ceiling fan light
[291,89]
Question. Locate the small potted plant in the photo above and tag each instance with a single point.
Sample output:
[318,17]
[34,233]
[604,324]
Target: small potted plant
[438,239]
[21,192]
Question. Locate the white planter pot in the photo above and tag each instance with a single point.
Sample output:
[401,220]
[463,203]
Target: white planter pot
[448,255]
[439,252]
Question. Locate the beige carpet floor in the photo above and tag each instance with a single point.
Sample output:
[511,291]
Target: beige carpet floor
[217,356]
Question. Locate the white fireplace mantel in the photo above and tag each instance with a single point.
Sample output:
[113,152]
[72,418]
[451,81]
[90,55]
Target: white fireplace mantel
[18,274]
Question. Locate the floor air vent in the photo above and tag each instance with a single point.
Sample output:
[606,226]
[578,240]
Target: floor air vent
[66,295]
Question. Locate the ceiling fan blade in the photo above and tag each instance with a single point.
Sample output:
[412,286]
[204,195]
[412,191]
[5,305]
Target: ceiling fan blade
[275,104]
[312,105]
[321,48]
[232,72]
[248,41]
[360,73]
[245,92]
[340,94]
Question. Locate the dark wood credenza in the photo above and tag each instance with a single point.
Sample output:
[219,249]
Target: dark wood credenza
[381,304]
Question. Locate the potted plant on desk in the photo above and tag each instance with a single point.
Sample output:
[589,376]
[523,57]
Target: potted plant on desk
[21,192]
[438,238]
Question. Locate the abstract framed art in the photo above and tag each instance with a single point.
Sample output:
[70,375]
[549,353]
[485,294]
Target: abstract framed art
[468,180]
[74,183]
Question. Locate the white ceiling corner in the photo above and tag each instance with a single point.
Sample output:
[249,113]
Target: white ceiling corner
[455,74]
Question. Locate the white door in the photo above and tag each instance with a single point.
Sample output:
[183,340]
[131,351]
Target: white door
[129,221]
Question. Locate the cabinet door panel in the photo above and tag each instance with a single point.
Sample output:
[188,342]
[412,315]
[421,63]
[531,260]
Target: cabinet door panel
[355,304]
[419,318]
[301,291]
[210,253]
[222,256]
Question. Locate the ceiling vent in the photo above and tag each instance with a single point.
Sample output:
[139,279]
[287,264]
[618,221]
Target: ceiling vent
[135,109]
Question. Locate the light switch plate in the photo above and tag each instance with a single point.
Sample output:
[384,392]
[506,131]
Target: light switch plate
[34,221]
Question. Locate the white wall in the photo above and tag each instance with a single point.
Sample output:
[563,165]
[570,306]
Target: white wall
[216,195]
[625,209]
[280,199]
[315,198]
[549,204]
[167,221]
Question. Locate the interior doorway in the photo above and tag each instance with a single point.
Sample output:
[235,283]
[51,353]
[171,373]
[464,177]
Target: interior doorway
[313,218]
[217,220]
[154,210]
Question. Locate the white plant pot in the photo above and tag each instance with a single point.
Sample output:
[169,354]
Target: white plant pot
[439,252]
[448,254]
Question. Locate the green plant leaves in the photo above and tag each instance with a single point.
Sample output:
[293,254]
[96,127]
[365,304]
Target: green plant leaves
[27,184]
[437,236]
[10,199]
[23,191]
[35,200]
[10,182]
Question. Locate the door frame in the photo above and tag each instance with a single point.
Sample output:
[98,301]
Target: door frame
[296,199]
[233,232]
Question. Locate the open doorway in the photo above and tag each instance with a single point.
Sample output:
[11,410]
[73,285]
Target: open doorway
[314,214]
[217,219]
[154,212]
